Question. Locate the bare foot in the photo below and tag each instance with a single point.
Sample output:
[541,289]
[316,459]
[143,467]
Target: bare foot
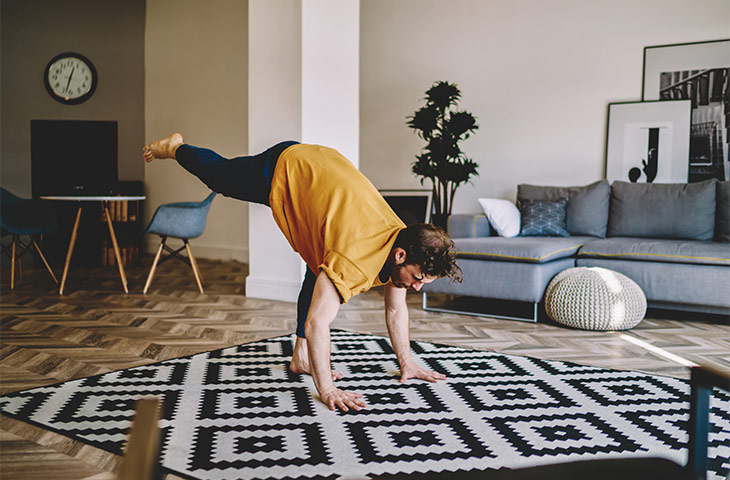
[299,367]
[300,360]
[163,148]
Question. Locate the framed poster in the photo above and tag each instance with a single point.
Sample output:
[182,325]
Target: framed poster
[648,142]
[412,206]
[698,72]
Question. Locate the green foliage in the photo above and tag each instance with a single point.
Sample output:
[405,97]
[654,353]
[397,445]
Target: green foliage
[442,126]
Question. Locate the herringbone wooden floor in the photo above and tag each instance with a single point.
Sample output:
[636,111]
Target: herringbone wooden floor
[94,328]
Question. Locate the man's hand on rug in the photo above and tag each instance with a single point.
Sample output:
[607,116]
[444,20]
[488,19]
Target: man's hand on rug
[334,397]
[411,370]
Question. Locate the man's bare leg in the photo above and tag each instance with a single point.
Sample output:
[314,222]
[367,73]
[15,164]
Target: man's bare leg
[300,360]
[163,148]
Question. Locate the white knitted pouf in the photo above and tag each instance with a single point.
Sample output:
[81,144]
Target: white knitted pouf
[594,298]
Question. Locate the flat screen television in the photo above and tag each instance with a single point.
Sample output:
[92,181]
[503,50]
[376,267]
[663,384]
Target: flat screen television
[411,206]
[73,157]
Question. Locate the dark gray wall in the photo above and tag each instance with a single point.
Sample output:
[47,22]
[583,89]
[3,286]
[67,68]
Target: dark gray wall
[111,34]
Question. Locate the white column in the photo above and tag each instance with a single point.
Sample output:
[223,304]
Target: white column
[274,115]
[331,74]
[303,85]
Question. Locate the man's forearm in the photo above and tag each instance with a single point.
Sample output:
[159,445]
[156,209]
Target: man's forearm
[396,319]
[399,338]
[318,346]
[322,311]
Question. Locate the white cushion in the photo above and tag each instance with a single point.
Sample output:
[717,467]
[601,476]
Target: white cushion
[503,215]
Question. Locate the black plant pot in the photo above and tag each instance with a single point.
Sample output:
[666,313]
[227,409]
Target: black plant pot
[440,220]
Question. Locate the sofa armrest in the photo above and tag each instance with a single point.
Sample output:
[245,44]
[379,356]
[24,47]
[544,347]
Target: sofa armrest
[468,226]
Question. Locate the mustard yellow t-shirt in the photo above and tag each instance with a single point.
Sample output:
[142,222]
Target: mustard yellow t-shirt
[333,217]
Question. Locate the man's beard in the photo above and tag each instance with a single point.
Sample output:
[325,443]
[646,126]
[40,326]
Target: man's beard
[395,275]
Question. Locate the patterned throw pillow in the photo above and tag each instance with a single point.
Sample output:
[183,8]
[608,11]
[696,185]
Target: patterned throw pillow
[541,218]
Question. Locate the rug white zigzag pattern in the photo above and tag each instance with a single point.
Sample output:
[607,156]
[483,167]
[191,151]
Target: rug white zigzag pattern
[239,413]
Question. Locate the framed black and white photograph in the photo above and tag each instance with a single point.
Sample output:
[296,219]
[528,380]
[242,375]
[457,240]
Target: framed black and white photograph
[648,142]
[412,206]
[698,72]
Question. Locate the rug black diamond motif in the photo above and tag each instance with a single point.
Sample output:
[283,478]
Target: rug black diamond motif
[564,434]
[239,413]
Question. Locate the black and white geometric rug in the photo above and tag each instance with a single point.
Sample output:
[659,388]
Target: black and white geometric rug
[239,413]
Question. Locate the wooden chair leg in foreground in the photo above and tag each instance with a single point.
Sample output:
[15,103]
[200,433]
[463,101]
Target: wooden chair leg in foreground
[141,456]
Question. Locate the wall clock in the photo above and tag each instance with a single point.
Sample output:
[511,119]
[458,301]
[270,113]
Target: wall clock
[70,78]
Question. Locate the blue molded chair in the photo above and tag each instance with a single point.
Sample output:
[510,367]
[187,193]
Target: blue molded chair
[184,220]
[19,216]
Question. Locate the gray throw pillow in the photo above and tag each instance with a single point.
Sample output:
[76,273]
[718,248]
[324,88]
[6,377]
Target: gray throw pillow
[587,211]
[722,223]
[663,210]
[542,218]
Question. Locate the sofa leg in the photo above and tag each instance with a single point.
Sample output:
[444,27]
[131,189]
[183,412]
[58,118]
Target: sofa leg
[532,317]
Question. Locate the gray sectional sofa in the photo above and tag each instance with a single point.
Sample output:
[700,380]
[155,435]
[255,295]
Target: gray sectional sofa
[673,240]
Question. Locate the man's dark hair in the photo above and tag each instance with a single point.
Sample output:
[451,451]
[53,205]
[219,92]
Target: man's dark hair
[431,248]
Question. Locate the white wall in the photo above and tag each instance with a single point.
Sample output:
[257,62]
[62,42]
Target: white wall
[538,74]
[196,60]
[330,75]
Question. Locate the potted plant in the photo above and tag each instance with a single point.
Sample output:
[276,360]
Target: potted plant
[442,126]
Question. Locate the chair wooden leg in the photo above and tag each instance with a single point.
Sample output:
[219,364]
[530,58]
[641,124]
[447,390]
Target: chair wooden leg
[70,251]
[12,262]
[117,254]
[45,262]
[143,443]
[194,264]
[154,266]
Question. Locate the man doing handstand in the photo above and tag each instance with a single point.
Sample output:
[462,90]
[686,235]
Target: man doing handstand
[346,233]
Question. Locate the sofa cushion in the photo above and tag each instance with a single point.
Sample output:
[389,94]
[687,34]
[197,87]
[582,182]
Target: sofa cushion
[722,212]
[519,249]
[587,212]
[674,285]
[543,218]
[503,215]
[653,250]
[522,282]
[663,210]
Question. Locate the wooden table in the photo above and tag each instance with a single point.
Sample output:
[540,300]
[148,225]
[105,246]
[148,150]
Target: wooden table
[105,202]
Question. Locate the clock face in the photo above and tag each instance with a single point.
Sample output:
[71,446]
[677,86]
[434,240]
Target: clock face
[70,78]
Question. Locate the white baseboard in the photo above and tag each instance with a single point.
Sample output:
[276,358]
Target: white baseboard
[272,289]
[239,254]
[213,252]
